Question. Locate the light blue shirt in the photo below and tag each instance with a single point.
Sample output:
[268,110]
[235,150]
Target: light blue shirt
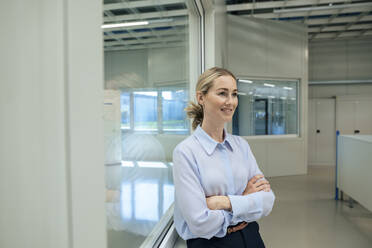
[203,167]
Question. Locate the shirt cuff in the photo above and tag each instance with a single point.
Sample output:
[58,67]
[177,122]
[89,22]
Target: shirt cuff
[246,207]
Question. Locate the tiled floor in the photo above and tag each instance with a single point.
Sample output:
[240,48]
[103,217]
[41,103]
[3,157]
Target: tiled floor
[306,215]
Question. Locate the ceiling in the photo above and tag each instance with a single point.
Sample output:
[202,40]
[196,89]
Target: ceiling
[167,19]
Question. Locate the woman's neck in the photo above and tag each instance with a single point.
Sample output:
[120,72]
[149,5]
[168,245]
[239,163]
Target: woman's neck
[215,130]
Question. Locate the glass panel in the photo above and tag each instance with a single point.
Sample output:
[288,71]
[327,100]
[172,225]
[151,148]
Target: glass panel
[266,107]
[147,70]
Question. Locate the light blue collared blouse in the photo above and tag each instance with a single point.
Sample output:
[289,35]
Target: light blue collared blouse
[203,167]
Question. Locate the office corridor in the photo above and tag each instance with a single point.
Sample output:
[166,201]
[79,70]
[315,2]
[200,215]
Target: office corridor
[306,215]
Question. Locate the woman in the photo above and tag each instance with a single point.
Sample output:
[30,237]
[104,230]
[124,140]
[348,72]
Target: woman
[220,191]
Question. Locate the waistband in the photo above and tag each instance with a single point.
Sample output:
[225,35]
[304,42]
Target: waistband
[231,229]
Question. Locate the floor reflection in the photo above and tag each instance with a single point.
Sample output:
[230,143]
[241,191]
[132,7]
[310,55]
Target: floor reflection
[138,193]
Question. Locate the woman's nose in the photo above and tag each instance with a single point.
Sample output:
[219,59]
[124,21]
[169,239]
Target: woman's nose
[229,100]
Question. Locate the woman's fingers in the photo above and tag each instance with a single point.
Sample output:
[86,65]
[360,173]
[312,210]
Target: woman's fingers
[256,178]
[257,184]
[260,188]
[264,187]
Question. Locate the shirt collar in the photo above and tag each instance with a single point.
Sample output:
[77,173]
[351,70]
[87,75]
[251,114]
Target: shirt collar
[208,143]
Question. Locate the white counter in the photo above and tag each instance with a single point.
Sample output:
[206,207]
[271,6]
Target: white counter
[354,170]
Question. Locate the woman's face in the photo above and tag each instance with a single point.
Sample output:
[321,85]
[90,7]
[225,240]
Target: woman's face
[221,100]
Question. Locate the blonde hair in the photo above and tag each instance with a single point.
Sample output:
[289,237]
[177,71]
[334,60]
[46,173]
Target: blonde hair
[205,82]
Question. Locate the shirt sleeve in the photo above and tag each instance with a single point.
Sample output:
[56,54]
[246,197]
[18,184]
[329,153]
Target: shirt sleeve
[253,206]
[191,201]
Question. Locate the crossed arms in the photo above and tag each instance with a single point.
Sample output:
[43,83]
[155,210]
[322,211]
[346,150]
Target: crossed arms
[208,217]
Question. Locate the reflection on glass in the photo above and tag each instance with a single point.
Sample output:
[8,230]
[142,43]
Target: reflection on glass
[168,196]
[125,110]
[125,200]
[173,104]
[137,196]
[147,106]
[146,201]
[145,110]
[151,164]
[266,107]
[127,163]
[260,114]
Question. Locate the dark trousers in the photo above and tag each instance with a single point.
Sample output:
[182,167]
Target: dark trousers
[249,237]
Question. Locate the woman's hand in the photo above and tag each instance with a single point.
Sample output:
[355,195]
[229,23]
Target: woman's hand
[218,202]
[256,184]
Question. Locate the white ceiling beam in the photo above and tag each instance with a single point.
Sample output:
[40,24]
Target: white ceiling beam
[368,33]
[136,47]
[329,7]
[313,13]
[277,4]
[332,35]
[181,30]
[368,36]
[339,28]
[353,23]
[139,4]
[145,41]
[347,19]
[144,16]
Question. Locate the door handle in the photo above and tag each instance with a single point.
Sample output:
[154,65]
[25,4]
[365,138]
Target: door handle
[317,131]
[356,131]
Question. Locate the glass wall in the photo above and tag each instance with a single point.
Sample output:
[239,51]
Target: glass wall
[266,107]
[147,70]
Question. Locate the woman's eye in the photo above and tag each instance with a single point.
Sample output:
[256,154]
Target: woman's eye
[222,93]
[235,94]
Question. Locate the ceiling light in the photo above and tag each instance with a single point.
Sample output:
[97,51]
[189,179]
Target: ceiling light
[287,88]
[124,24]
[283,98]
[245,81]
[271,96]
[258,95]
[269,85]
[242,93]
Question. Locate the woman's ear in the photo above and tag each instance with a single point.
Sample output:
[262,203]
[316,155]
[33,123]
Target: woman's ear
[200,97]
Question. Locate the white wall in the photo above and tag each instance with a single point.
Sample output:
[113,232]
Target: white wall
[271,49]
[348,59]
[51,146]
[327,91]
